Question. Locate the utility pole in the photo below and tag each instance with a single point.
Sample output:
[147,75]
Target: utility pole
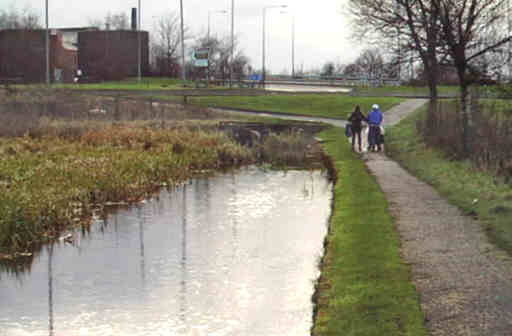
[47,47]
[263,52]
[232,42]
[183,73]
[264,33]
[293,46]
[398,32]
[139,45]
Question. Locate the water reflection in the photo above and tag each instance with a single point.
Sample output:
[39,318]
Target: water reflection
[50,289]
[141,244]
[231,255]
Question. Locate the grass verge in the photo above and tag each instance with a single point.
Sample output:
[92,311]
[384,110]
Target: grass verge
[365,287]
[406,90]
[477,193]
[146,83]
[315,105]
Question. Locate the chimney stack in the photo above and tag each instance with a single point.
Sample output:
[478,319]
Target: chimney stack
[134,18]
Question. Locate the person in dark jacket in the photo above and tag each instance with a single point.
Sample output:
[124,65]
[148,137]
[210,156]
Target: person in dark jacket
[374,121]
[356,119]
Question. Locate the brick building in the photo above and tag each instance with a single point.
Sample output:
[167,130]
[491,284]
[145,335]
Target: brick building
[99,54]
[22,54]
[112,54]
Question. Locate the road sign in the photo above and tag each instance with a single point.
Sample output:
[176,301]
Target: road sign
[201,57]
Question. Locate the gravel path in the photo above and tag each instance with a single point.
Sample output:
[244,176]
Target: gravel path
[464,282]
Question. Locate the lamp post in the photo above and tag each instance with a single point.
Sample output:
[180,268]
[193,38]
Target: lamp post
[398,42]
[293,43]
[139,45]
[232,41]
[47,47]
[208,42]
[263,54]
[209,14]
[183,73]
[293,46]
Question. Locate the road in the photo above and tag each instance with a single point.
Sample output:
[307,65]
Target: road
[306,88]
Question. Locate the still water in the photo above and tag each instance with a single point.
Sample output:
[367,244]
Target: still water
[234,254]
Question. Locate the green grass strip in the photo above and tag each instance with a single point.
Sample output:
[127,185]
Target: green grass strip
[315,105]
[365,287]
[406,90]
[474,191]
[146,84]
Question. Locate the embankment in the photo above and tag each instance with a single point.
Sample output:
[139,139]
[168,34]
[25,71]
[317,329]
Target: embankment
[364,287]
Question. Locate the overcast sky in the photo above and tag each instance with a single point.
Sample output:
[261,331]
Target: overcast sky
[322,33]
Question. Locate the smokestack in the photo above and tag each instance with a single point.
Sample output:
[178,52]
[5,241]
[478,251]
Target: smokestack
[134,18]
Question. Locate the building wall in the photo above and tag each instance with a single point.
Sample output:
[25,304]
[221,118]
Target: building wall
[66,56]
[22,54]
[111,55]
[99,54]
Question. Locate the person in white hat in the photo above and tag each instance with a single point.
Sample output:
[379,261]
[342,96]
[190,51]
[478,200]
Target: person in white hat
[374,120]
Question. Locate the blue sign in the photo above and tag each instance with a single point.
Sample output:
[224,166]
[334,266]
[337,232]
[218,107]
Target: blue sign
[255,77]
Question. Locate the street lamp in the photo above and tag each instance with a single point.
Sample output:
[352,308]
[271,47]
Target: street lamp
[293,46]
[232,41]
[183,74]
[209,14]
[139,45]
[293,42]
[47,47]
[263,60]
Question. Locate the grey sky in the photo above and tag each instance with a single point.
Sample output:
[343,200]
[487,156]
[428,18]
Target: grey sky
[322,32]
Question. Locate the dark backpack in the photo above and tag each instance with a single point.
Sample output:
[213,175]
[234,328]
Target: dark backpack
[348,130]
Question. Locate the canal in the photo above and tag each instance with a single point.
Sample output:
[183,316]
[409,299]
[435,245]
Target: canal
[232,254]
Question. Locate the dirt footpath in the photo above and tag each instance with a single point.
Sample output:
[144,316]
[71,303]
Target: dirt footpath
[464,282]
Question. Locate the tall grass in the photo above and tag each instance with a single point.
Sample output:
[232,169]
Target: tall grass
[49,182]
[491,134]
[287,149]
[30,110]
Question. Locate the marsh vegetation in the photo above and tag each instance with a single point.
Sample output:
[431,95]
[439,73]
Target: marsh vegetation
[63,157]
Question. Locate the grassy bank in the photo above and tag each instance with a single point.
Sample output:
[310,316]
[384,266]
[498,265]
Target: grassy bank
[477,193]
[364,288]
[316,105]
[406,90]
[146,83]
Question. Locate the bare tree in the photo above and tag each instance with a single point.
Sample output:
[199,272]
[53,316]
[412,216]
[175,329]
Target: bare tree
[465,32]
[116,21]
[402,26]
[371,63]
[220,51]
[328,69]
[240,65]
[166,43]
[339,68]
[351,70]
[15,19]
[490,66]
[464,24]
